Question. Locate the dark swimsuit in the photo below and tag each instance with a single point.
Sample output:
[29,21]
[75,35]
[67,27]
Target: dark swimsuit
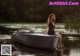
[51,28]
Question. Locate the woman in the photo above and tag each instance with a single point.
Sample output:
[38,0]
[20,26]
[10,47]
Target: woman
[51,26]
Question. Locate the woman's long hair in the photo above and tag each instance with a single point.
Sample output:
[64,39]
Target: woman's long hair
[49,18]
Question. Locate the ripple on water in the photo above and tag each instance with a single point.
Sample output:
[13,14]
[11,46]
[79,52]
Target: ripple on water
[5,36]
[75,52]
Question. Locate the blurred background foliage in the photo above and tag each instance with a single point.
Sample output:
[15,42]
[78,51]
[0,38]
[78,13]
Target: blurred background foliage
[25,11]
[34,11]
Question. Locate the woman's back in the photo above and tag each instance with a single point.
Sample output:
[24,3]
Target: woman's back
[51,28]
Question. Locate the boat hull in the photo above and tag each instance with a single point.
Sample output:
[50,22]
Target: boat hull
[35,40]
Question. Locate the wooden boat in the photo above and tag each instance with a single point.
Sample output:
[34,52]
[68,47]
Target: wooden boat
[35,39]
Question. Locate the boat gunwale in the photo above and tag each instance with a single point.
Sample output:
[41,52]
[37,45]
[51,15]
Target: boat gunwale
[31,34]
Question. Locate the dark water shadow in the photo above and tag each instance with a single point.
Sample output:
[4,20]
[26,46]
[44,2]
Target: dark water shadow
[5,30]
[24,50]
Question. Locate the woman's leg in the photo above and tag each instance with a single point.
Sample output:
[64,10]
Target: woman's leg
[55,42]
[59,43]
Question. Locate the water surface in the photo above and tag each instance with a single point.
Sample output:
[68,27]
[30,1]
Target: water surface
[71,44]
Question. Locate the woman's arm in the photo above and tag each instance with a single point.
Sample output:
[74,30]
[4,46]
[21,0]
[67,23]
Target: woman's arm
[47,25]
[46,28]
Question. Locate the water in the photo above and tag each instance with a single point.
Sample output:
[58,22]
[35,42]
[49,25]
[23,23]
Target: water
[30,25]
[5,36]
[71,45]
[22,50]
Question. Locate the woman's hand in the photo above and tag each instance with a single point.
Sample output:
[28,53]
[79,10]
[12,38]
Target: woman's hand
[57,34]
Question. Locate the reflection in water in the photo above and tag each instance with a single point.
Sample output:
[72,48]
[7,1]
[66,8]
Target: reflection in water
[69,43]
